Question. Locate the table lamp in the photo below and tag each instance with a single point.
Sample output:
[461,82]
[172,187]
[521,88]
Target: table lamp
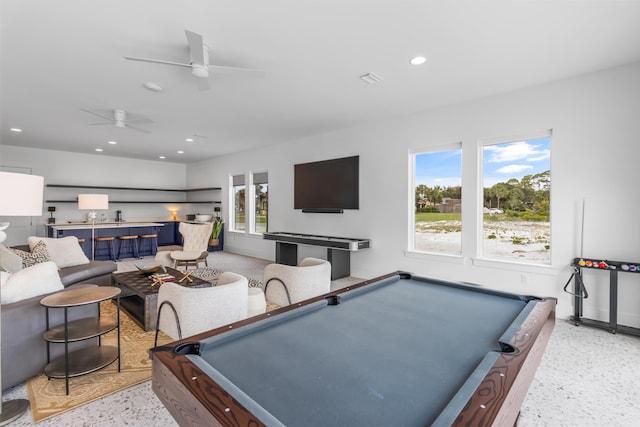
[92,202]
[21,196]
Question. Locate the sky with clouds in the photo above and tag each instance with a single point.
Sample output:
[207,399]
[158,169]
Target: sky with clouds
[501,162]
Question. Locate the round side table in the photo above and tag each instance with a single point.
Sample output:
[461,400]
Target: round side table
[89,359]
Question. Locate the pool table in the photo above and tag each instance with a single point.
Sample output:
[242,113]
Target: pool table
[398,350]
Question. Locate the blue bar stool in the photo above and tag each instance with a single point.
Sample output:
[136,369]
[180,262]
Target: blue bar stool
[153,243]
[128,244]
[109,242]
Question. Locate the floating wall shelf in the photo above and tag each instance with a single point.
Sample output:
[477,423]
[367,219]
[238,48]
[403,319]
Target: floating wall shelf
[146,201]
[134,188]
[187,190]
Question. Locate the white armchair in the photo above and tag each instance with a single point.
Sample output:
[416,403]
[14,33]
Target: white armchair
[184,311]
[195,241]
[288,284]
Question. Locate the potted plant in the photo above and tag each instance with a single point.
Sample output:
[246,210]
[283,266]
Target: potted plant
[215,232]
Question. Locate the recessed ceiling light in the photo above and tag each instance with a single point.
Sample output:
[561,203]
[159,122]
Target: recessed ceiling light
[112,142]
[153,86]
[99,149]
[418,60]
[15,130]
[189,139]
[162,157]
[180,152]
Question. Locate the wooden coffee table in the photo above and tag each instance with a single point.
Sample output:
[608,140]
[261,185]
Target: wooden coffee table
[140,300]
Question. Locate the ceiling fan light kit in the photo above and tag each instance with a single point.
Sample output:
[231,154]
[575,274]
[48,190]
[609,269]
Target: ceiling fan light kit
[199,71]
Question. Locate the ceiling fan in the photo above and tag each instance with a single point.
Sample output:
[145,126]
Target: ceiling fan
[119,119]
[199,61]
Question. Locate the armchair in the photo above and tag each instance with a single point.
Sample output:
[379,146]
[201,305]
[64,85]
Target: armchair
[184,311]
[287,284]
[195,239]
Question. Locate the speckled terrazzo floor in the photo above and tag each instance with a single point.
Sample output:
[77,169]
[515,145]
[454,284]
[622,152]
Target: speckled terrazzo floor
[587,378]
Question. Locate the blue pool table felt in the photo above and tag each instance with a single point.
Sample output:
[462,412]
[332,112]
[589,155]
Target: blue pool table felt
[391,354]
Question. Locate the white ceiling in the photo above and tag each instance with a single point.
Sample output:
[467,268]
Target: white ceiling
[59,57]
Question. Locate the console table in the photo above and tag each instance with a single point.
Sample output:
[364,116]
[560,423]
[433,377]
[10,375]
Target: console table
[338,249]
[89,359]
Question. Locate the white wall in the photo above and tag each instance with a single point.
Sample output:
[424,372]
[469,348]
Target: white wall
[594,158]
[59,167]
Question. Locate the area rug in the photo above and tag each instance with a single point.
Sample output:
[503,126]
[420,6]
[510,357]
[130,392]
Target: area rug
[48,397]
[211,274]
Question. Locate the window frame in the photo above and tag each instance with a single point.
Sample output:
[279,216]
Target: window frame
[232,203]
[249,202]
[252,200]
[481,258]
[411,242]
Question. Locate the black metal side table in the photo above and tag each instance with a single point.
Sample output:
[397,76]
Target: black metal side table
[89,359]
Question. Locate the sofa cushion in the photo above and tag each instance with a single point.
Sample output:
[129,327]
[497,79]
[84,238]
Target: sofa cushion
[29,282]
[9,260]
[86,272]
[64,251]
[37,255]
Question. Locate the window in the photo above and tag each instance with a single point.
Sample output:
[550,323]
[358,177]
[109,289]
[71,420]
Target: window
[238,201]
[261,201]
[516,200]
[250,209]
[437,184]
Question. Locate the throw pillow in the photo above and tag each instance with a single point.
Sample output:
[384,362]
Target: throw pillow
[37,255]
[29,282]
[9,260]
[64,251]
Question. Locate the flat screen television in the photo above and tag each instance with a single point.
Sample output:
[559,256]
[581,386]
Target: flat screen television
[328,185]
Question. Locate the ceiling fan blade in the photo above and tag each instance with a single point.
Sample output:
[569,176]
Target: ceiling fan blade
[157,61]
[140,120]
[108,118]
[203,84]
[96,124]
[137,129]
[196,47]
[229,70]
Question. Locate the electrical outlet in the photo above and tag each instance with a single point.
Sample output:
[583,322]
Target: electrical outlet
[524,279]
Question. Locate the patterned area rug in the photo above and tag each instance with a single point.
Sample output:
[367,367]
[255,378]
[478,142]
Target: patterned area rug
[48,397]
[211,274]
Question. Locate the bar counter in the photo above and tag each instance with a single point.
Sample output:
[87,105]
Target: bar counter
[85,230]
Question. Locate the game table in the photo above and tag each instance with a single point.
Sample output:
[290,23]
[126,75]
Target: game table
[398,350]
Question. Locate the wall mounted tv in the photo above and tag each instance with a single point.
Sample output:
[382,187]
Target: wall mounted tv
[327,186]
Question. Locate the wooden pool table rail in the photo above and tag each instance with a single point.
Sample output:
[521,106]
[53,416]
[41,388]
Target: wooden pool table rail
[498,399]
